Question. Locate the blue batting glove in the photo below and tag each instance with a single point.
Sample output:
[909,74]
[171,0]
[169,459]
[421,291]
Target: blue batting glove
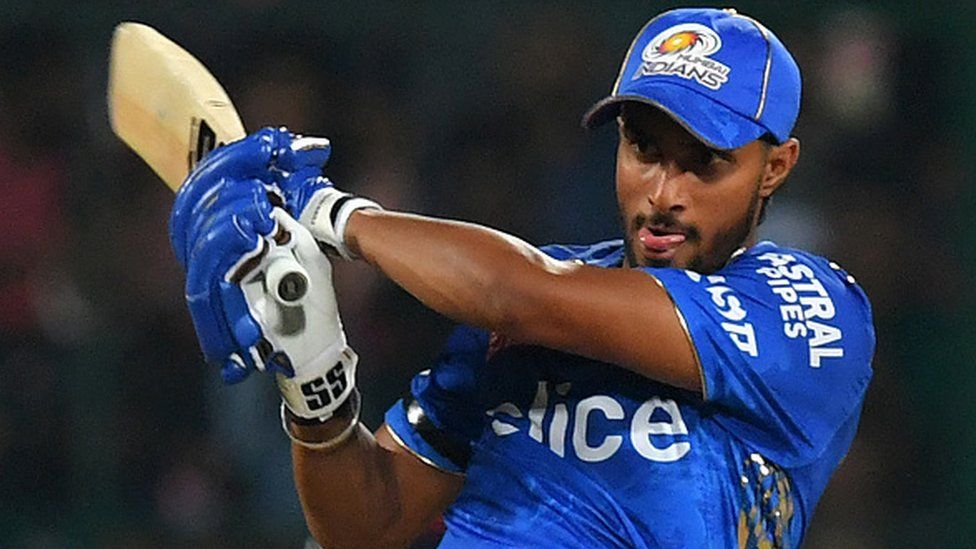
[245,258]
[299,165]
[236,231]
[311,198]
[249,158]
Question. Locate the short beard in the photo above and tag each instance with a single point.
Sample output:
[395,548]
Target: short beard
[726,243]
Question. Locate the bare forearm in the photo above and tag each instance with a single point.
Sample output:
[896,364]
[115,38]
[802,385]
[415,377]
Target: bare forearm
[369,492]
[485,278]
[348,494]
[467,272]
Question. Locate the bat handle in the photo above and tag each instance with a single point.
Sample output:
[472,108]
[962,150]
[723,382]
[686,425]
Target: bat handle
[286,280]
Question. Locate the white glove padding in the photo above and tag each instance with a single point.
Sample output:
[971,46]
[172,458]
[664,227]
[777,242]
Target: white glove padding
[301,323]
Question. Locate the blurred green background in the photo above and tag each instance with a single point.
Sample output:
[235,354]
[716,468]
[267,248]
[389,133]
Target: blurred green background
[114,434]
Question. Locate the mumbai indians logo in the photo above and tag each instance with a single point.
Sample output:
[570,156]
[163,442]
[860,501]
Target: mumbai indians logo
[683,50]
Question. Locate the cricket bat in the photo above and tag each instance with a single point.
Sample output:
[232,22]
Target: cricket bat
[164,104]
[168,108]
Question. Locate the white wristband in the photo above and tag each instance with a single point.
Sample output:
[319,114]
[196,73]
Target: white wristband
[327,214]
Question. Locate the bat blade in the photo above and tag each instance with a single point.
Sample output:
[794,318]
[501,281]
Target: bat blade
[164,104]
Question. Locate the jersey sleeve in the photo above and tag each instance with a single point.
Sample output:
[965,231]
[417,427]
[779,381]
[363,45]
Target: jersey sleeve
[784,342]
[440,416]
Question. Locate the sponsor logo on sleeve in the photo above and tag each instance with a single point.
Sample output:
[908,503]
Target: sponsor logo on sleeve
[729,306]
[806,308]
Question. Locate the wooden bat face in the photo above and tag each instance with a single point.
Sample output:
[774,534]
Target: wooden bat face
[164,104]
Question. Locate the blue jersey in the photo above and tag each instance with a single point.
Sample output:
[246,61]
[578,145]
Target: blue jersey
[564,451]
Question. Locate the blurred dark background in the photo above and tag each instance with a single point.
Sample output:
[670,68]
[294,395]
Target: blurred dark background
[114,434]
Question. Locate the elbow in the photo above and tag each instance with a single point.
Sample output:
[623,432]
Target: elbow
[377,536]
[320,534]
[330,537]
[375,522]
[502,315]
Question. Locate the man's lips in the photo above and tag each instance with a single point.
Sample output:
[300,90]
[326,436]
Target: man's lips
[659,242]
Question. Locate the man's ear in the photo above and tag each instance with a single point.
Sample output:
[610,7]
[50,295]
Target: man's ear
[779,163]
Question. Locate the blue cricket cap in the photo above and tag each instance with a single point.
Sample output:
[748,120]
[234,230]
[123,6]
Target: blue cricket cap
[724,77]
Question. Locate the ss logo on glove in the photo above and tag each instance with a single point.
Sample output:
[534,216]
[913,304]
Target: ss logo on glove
[317,390]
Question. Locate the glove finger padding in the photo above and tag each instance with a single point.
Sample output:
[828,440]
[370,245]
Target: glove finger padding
[245,159]
[304,152]
[311,198]
[230,196]
[222,319]
[299,186]
[298,170]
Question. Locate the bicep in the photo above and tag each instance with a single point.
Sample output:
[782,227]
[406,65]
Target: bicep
[621,316]
[424,491]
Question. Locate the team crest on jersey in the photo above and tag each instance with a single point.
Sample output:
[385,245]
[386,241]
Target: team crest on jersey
[683,51]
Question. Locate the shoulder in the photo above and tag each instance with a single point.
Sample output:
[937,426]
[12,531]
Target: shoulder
[772,275]
[608,253]
[779,298]
[778,332]
[788,276]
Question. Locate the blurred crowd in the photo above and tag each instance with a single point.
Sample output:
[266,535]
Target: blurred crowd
[112,431]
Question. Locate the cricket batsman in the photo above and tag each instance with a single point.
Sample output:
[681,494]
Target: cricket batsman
[684,386]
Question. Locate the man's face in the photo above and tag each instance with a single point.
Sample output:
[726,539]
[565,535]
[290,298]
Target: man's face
[683,204]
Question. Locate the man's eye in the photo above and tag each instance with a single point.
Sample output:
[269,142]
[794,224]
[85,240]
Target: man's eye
[707,158]
[706,163]
[644,148]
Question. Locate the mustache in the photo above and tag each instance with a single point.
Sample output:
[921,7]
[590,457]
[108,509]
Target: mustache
[667,222]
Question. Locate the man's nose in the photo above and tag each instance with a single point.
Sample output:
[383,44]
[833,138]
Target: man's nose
[666,188]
